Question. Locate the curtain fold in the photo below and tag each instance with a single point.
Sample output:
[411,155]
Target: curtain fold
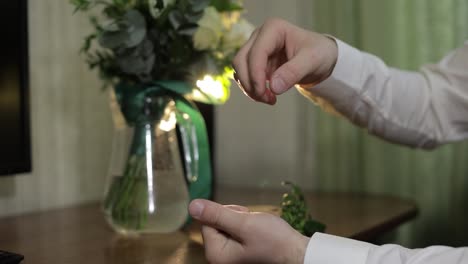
[405,34]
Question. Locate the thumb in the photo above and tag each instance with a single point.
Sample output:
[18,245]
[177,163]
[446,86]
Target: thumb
[217,216]
[290,73]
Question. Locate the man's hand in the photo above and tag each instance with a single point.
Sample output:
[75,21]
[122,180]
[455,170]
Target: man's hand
[284,55]
[232,234]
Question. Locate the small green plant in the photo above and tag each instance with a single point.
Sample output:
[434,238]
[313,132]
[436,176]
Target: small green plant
[296,213]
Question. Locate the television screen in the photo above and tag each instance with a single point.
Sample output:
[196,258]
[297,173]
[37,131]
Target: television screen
[15,154]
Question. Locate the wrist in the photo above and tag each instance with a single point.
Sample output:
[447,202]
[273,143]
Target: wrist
[333,55]
[298,250]
[325,53]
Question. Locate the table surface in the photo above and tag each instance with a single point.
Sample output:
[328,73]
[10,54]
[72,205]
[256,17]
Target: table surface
[80,234]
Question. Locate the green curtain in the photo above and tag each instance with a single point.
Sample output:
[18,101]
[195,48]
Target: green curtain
[405,34]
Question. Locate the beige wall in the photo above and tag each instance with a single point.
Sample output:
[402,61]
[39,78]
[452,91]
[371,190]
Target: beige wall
[260,145]
[70,118]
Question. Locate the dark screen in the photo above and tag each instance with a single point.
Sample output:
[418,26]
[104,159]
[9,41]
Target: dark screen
[14,128]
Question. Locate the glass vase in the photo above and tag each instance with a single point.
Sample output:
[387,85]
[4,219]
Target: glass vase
[147,191]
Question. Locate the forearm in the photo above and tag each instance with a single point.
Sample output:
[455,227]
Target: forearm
[420,109]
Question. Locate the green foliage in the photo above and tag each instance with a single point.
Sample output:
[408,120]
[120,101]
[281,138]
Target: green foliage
[81,5]
[225,5]
[137,41]
[296,213]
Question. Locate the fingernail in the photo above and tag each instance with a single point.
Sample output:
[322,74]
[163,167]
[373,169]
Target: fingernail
[266,98]
[277,85]
[272,99]
[196,209]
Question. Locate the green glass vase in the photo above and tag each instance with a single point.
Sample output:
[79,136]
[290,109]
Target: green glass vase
[159,162]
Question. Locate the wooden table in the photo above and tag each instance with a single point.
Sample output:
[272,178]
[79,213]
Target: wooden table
[81,235]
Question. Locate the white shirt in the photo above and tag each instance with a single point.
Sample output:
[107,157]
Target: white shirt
[419,109]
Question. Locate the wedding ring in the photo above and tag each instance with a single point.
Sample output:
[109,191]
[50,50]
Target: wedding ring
[236,78]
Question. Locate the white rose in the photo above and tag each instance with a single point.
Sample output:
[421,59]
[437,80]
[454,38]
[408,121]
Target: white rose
[211,19]
[205,39]
[237,36]
[230,18]
[156,12]
[210,30]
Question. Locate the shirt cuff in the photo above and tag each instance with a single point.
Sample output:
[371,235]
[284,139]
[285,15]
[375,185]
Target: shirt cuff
[323,248]
[344,80]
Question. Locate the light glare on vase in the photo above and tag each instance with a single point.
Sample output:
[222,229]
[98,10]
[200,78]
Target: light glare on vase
[149,168]
[210,86]
[169,124]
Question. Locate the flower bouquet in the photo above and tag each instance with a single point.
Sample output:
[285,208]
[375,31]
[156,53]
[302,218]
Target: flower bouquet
[159,56]
[142,41]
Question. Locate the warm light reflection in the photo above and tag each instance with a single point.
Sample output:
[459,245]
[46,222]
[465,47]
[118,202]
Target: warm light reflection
[212,87]
[169,124]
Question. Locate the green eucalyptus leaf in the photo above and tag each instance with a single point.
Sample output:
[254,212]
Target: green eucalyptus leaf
[188,30]
[176,19]
[127,32]
[199,5]
[135,65]
[235,7]
[95,22]
[136,27]
[138,60]
[135,38]
[111,26]
[113,40]
[193,18]
[80,5]
[225,5]
[87,42]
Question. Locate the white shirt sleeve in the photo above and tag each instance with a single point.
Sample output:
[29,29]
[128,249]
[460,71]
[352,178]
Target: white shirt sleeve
[420,109]
[325,249]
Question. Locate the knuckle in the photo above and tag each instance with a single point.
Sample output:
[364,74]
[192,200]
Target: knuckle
[255,83]
[236,62]
[216,217]
[254,32]
[273,21]
[209,215]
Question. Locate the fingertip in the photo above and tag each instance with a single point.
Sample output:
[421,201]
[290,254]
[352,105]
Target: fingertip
[278,86]
[273,101]
[269,97]
[196,208]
